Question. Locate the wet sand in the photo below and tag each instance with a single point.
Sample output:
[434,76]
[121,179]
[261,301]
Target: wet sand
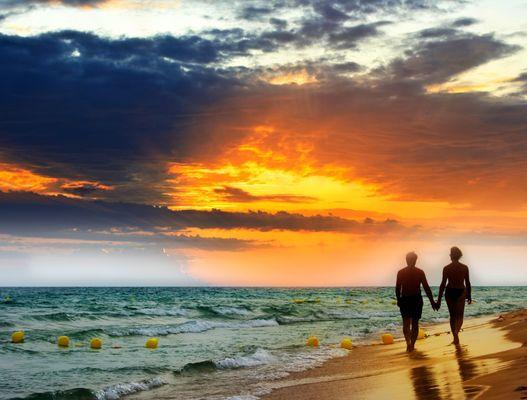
[490,363]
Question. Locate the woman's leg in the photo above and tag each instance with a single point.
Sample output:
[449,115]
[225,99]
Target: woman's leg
[460,312]
[453,318]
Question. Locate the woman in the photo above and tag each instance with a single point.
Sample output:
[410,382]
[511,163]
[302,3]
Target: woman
[458,289]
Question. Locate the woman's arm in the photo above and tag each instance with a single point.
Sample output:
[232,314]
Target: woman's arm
[442,288]
[469,288]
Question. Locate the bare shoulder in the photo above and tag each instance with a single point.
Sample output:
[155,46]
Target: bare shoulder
[420,272]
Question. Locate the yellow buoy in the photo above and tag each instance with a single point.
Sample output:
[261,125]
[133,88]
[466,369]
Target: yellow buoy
[151,343]
[394,302]
[96,343]
[387,338]
[63,341]
[17,337]
[312,341]
[421,334]
[346,343]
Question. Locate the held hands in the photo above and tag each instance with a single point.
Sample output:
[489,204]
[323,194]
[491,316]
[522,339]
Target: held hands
[435,305]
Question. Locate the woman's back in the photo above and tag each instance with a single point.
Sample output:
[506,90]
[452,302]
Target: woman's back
[456,273]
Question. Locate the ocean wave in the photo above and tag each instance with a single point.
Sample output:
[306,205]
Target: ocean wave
[197,367]
[115,392]
[72,394]
[259,357]
[194,326]
[304,360]
[224,311]
[6,324]
[162,312]
[57,316]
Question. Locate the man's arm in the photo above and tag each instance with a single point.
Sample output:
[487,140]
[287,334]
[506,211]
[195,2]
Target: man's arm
[398,286]
[441,288]
[428,291]
[469,288]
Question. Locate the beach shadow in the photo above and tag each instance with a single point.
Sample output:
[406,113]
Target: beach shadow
[467,368]
[425,383]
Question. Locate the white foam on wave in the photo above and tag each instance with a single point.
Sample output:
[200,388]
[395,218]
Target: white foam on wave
[195,326]
[231,311]
[162,312]
[115,392]
[259,357]
[280,366]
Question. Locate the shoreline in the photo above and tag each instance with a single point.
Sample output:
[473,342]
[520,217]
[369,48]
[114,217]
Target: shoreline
[489,363]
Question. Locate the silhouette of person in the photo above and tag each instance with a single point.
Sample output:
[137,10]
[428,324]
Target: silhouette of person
[409,299]
[457,288]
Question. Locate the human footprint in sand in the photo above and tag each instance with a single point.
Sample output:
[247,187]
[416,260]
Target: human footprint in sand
[409,299]
[457,289]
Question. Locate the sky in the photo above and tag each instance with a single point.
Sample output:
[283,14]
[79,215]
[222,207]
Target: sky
[261,143]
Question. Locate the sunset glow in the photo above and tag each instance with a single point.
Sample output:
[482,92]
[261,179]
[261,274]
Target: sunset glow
[262,144]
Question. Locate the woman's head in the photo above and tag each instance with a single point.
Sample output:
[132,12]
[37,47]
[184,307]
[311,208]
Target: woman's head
[455,253]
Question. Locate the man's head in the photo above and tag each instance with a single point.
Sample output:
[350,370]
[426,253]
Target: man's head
[411,259]
[455,253]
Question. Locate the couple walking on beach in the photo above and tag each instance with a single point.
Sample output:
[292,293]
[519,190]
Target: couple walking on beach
[455,285]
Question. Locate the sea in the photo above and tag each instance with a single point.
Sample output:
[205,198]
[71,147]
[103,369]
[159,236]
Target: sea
[214,343]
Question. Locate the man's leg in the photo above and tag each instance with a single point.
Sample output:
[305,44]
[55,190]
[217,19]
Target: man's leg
[415,331]
[407,332]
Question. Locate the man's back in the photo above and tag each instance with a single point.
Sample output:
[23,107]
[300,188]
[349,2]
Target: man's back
[410,279]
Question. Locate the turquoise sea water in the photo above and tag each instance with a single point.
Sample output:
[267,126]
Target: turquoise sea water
[213,342]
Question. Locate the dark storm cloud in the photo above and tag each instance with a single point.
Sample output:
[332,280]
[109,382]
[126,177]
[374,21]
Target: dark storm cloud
[435,61]
[255,13]
[522,78]
[74,104]
[327,21]
[462,22]
[278,23]
[437,32]
[347,38]
[234,194]
[23,213]
[72,3]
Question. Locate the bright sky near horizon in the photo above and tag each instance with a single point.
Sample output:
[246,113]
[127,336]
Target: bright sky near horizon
[282,142]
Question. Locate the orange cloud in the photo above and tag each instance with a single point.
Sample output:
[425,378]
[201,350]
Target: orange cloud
[16,178]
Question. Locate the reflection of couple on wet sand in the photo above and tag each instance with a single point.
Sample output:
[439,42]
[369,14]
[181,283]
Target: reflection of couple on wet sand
[455,285]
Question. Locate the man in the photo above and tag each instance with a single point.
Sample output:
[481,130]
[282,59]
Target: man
[409,300]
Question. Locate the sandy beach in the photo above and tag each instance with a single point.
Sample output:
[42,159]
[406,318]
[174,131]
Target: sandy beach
[490,363]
